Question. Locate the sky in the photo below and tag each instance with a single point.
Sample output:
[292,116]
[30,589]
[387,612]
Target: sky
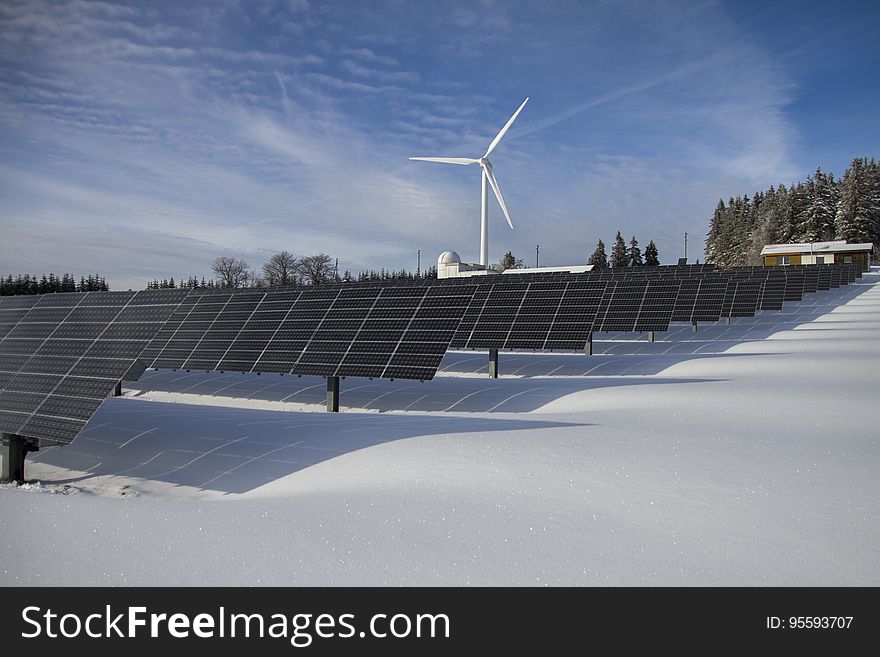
[143,140]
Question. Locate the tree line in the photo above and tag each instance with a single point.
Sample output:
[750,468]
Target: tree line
[32,284]
[623,255]
[819,209]
[285,269]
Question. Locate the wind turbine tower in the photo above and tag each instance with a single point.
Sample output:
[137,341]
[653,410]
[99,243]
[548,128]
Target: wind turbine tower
[488,180]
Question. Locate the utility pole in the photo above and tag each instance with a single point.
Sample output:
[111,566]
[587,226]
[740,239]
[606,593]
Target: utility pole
[537,251]
[418,263]
[336,270]
[685,247]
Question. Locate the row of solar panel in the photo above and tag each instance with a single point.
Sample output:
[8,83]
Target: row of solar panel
[62,354]
[369,331]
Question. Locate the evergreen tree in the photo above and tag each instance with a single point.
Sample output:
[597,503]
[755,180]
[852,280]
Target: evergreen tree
[856,218]
[714,248]
[618,252]
[599,260]
[816,217]
[634,255]
[509,261]
[652,258]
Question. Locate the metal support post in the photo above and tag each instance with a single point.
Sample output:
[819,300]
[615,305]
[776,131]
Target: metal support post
[117,391]
[15,449]
[332,394]
[650,336]
[493,363]
[588,350]
[693,327]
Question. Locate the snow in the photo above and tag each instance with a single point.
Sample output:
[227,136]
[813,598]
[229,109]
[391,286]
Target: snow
[738,455]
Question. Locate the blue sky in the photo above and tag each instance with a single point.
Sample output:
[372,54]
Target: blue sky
[145,139]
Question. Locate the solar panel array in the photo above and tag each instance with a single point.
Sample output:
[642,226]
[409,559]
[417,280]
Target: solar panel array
[62,354]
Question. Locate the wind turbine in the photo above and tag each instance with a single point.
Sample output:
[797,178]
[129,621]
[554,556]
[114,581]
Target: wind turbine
[487,177]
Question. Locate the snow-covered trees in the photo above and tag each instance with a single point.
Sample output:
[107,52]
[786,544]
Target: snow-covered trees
[816,218]
[819,209]
[858,213]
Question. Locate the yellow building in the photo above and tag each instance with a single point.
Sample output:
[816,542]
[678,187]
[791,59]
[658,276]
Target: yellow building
[818,253]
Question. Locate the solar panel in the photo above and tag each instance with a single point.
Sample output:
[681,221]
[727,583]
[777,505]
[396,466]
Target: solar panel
[794,284]
[811,280]
[772,295]
[637,306]
[175,343]
[836,277]
[700,299]
[69,351]
[397,332]
[538,315]
[427,335]
[741,298]
[573,322]
[12,310]
[470,317]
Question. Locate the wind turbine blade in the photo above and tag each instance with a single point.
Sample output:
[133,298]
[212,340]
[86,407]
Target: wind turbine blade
[505,129]
[495,188]
[447,160]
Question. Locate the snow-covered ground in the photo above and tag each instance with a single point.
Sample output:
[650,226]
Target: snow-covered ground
[738,455]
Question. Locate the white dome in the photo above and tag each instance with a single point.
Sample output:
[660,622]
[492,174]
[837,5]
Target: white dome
[448,258]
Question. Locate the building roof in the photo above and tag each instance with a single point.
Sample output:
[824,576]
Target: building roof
[573,269]
[448,258]
[839,246]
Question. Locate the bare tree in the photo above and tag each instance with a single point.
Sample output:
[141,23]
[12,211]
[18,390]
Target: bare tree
[316,269]
[281,269]
[232,272]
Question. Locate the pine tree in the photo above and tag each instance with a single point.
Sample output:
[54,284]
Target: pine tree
[618,252]
[815,221]
[652,258]
[599,260]
[856,219]
[634,255]
[714,248]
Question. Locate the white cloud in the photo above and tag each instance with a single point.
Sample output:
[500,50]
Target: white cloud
[144,129]
[377,74]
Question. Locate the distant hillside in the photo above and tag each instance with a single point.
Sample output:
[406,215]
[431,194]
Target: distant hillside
[819,209]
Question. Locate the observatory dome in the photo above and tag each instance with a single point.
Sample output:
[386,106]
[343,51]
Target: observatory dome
[448,258]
